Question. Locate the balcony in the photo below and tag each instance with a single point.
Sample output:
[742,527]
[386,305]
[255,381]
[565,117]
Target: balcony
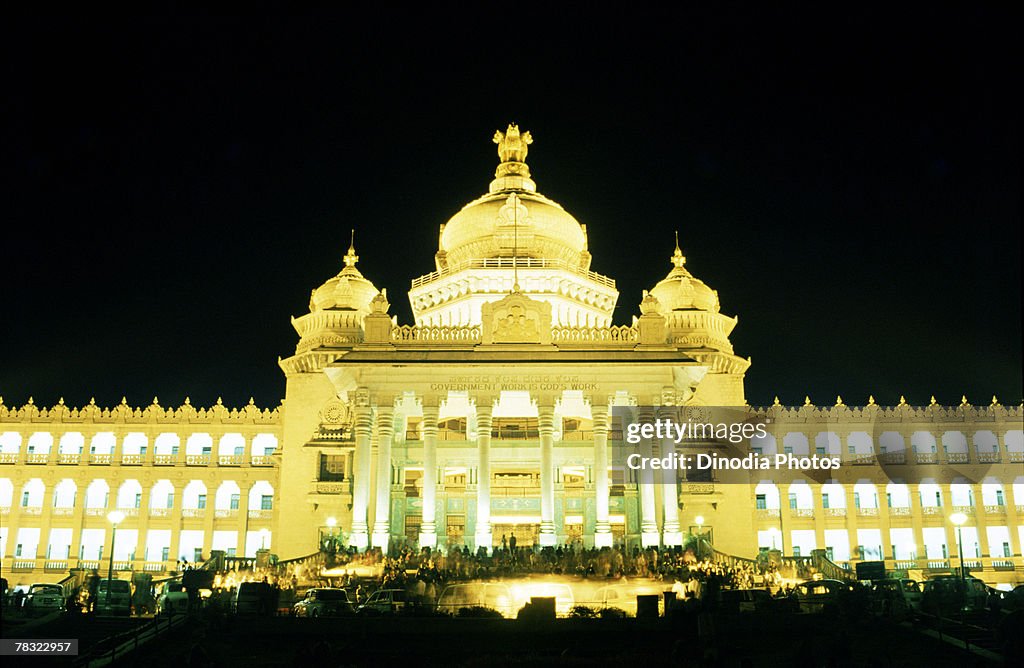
[69,458]
[130,512]
[966,510]
[164,460]
[956,457]
[801,512]
[995,510]
[193,513]
[261,460]
[893,457]
[131,460]
[95,512]
[931,510]
[8,457]
[31,510]
[160,512]
[1016,457]
[767,513]
[22,565]
[835,512]
[261,514]
[230,460]
[55,565]
[926,458]
[36,458]
[225,513]
[988,457]
[100,458]
[63,512]
[320,487]
[899,511]
[198,460]
[867,512]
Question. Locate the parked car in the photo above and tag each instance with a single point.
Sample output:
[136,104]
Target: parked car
[822,596]
[492,595]
[114,597]
[254,598]
[945,594]
[384,602]
[889,599]
[44,598]
[912,592]
[174,600]
[323,602]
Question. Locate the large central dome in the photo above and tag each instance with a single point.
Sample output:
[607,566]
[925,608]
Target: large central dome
[513,238]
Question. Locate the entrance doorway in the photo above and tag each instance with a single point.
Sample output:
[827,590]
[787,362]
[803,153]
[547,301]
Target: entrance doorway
[527,535]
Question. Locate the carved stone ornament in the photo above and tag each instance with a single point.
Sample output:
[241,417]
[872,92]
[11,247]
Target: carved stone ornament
[516,319]
[334,411]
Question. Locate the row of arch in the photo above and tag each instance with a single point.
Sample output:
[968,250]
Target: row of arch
[193,545]
[865,494]
[137,443]
[862,443]
[129,494]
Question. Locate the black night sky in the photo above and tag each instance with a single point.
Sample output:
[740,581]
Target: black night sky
[849,183]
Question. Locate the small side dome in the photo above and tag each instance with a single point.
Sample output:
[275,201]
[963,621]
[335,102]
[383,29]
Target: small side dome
[349,290]
[681,291]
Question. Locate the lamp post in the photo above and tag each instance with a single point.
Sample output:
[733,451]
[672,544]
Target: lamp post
[264,533]
[115,517]
[958,519]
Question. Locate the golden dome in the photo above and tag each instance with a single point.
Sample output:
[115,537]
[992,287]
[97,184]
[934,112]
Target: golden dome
[348,290]
[513,219]
[681,291]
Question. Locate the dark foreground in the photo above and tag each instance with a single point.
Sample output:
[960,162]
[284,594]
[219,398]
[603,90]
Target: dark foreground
[739,640]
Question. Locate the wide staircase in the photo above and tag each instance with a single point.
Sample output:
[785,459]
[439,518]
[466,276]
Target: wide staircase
[791,568]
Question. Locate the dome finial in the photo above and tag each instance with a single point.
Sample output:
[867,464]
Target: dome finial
[678,259]
[512,144]
[351,258]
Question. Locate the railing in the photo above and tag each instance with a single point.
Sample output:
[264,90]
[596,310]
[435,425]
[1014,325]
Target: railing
[966,510]
[225,513]
[956,457]
[1015,457]
[23,565]
[614,334]
[159,512]
[436,334]
[164,460]
[106,653]
[129,512]
[801,512]
[62,511]
[699,487]
[8,457]
[69,458]
[899,511]
[862,460]
[835,512]
[55,565]
[261,460]
[101,458]
[893,457]
[988,457]
[867,512]
[31,510]
[931,510]
[95,512]
[261,514]
[995,510]
[36,458]
[193,513]
[230,460]
[828,568]
[197,460]
[509,263]
[154,567]
[767,513]
[926,458]
[321,487]
[5,510]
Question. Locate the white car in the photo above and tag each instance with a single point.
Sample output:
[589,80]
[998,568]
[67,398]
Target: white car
[44,598]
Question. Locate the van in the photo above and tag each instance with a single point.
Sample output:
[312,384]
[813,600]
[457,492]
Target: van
[492,595]
[114,597]
[253,598]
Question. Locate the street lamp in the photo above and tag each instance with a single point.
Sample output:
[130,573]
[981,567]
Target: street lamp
[115,517]
[958,519]
[264,534]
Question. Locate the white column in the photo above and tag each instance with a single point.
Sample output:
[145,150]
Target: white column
[603,528]
[671,534]
[483,485]
[382,515]
[428,428]
[649,536]
[362,422]
[546,427]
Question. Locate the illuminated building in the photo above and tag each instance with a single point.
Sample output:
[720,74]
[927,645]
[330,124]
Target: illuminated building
[489,417]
